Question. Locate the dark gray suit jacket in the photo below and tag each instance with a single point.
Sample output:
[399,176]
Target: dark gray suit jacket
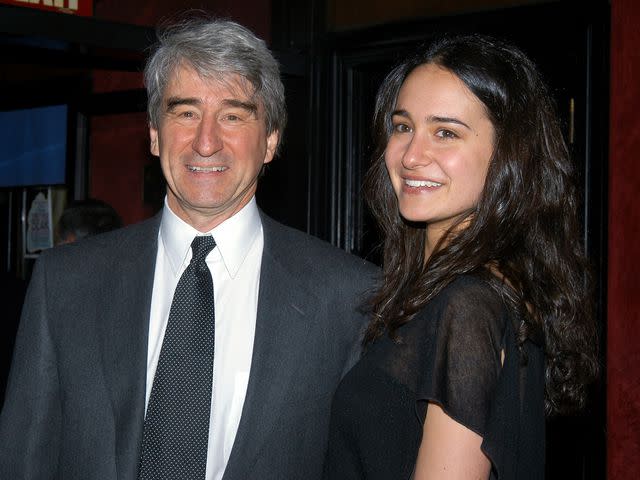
[74,408]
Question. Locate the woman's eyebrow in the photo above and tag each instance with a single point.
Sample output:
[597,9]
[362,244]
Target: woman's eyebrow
[432,118]
[439,119]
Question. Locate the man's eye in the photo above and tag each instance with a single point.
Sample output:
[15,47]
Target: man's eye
[233,117]
[186,114]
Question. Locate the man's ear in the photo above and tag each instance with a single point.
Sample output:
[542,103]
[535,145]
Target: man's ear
[272,145]
[153,135]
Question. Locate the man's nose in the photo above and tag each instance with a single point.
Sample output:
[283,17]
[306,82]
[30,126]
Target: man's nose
[208,140]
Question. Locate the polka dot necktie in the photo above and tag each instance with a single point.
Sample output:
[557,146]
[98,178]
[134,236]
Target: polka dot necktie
[176,427]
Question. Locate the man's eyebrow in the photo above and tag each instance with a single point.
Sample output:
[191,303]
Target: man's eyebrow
[250,107]
[173,102]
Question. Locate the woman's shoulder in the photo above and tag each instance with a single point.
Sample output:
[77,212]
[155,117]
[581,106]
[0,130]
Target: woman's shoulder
[469,306]
[468,287]
[466,323]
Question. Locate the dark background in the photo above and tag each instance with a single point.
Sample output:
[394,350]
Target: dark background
[334,55]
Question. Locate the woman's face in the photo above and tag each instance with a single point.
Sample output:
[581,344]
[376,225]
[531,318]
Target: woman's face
[439,150]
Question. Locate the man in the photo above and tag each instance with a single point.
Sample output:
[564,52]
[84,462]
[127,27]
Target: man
[85,218]
[100,360]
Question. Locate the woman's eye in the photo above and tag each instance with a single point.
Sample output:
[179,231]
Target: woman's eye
[401,128]
[444,133]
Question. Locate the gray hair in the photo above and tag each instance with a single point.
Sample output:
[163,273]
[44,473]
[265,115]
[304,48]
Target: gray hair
[217,49]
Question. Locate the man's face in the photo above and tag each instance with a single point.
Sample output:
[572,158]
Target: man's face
[212,142]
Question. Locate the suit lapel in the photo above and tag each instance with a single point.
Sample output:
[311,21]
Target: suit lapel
[282,325]
[125,325]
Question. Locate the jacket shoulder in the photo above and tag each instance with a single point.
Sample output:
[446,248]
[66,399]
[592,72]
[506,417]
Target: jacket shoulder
[108,246]
[299,250]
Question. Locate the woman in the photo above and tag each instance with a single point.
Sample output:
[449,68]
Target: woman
[483,322]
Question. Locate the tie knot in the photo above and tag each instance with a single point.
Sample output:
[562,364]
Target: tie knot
[201,246]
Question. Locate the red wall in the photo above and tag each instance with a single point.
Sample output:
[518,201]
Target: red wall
[623,337]
[118,154]
[119,144]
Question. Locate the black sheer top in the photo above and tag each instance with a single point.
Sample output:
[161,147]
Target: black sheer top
[449,354]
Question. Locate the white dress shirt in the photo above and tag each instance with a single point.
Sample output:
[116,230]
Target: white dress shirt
[235,268]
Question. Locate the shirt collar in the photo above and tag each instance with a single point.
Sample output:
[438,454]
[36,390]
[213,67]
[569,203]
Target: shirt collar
[234,237]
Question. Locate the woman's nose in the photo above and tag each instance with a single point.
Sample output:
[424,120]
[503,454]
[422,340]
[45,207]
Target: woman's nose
[418,152]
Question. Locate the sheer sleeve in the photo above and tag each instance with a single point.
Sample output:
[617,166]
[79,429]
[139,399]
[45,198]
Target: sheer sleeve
[462,370]
[461,361]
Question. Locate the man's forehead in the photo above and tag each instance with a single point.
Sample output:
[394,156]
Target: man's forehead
[232,83]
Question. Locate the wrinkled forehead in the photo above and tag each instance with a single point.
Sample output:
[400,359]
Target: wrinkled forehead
[237,85]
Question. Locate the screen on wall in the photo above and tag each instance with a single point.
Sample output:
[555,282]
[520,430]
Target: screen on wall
[33,146]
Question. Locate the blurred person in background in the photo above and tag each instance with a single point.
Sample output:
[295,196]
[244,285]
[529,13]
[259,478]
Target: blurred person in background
[85,218]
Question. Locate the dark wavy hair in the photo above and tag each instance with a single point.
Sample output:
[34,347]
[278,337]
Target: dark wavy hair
[524,226]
